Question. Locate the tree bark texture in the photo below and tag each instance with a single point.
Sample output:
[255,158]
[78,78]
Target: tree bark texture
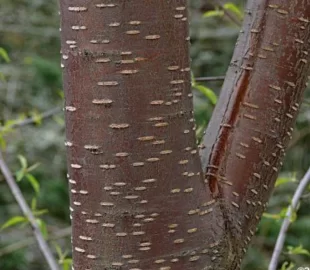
[140,198]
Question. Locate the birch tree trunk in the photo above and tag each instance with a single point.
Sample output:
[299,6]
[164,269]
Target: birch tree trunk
[141,196]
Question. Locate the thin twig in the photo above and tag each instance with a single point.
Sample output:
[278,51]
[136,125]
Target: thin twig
[48,32]
[66,232]
[44,115]
[286,222]
[32,120]
[227,13]
[27,212]
[231,17]
[210,79]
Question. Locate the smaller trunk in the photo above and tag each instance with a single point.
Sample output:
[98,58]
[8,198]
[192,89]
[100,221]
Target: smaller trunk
[253,121]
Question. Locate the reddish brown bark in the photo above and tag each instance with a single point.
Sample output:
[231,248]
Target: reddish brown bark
[138,198]
[138,195]
[253,122]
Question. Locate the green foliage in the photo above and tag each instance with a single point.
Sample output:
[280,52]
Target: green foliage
[7,128]
[298,250]
[283,180]
[24,172]
[220,12]
[14,261]
[63,260]
[213,13]
[36,116]
[4,55]
[14,221]
[34,182]
[43,227]
[281,215]
[287,266]
[234,9]
[206,91]
[34,209]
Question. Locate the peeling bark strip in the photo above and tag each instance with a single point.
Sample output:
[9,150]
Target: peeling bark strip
[138,198]
[253,122]
[138,195]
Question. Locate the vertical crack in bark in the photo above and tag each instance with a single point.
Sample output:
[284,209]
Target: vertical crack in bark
[220,147]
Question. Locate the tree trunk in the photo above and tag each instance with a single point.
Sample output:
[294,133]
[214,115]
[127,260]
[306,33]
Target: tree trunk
[140,198]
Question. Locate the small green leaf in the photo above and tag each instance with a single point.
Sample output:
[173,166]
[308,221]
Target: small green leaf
[298,250]
[61,255]
[40,212]
[42,227]
[213,13]
[33,204]
[32,167]
[193,79]
[66,264]
[283,214]
[37,117]
[287,266]
[34,182]
[61,93]
[4,55]
[233,8]
[58,250]
[282,180]
[20,175]
[272,216]
[293,216]
[209,94]
[13,221]
[23,161]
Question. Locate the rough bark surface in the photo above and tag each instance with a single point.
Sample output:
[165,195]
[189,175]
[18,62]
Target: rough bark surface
[139,197]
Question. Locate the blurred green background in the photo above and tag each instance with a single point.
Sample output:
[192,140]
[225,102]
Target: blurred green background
[31,84]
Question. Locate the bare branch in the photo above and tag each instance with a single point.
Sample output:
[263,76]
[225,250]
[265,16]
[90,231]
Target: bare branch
[286,222]
[32,120]
[210,79]
[35,31]
[27,212]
